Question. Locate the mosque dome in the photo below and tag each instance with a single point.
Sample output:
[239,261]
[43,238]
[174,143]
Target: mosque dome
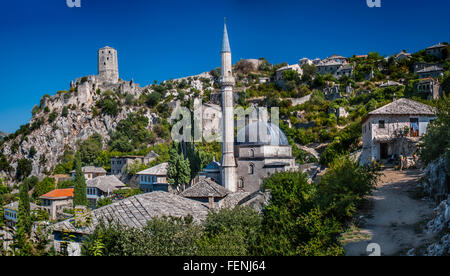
[252,134]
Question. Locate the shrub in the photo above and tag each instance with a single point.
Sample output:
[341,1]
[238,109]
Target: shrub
[153,99]
[292,225]
[343,185]
[436,141]
[108,106]
[32,152]
[52,117]
[65,111]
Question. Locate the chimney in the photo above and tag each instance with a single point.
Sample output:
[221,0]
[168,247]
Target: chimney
[211,201]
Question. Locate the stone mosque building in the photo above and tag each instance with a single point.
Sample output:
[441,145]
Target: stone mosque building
[251,156]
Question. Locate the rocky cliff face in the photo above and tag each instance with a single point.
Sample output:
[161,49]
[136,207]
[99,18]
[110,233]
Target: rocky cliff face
[53,137]
[437,178]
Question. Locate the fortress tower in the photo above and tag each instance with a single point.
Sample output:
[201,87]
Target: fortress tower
[108,68]
[228,166]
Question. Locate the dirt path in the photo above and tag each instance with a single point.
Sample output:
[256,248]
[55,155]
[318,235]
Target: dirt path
[396,219]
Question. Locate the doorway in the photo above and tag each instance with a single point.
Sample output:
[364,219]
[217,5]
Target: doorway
[383,151]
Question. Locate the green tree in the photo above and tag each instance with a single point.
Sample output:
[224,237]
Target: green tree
[90,149]
[292,224]
[343,186]
[79,196]
[178,172]
[24,168]
[32,152]
[22,243]
[43,187]
[153,99]
[230,232]
[436,142]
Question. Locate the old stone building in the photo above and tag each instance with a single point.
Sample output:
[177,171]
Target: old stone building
[154,179]
[430,87]
[260,148]
[206,191]
[56,201]
[90,172]
[120,163]
[102,187]
[437,50]
[108,66]
[294,67]
[11,213]
[433,71]
[394,130]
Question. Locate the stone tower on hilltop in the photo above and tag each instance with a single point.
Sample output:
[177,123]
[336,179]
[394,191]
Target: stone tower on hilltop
[108,68]
[228,166]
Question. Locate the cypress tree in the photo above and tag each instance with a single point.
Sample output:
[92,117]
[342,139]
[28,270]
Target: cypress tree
[24,207]
[79,195]
[23,227]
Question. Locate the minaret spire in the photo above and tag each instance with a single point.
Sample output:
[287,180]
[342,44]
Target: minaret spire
[228,166]
[225,41]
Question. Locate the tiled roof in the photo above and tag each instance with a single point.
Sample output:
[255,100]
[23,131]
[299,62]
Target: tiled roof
[160,169]
[390,83]
[432,68]
[136,211]
[439,45]
[59,193]
[107,183]
[404,107]
[15,206]
[205,188]
[91,169]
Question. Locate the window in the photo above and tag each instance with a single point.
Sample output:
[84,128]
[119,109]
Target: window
[241,183]
[251,169]
[252,153]
[381,124]
[414,128]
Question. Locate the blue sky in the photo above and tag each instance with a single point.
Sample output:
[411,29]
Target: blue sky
[44,44]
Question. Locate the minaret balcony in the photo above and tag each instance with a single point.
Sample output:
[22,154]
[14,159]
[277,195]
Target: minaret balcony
[227,81]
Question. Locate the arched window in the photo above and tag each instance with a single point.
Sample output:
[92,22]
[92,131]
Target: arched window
[241,183]
[252,153]
[251,169]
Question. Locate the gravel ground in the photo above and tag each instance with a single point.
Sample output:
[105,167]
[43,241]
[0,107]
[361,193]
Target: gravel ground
[397,218]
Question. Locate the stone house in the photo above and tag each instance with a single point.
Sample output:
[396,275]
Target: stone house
[430,87]
[402,56]
[345,70]
[119,164]
[56,201]
[337,59]
[328,68]
[132,212]
[304,61]
[206,191]
[11,211]
[90,172]
[433,71]
[394,130]
[154,179]
[436,50]
[294,67]
[101,187]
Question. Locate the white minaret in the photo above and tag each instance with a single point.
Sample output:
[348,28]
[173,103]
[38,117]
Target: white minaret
[228,169]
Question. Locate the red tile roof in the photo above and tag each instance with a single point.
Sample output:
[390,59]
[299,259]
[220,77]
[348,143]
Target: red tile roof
[59,193]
